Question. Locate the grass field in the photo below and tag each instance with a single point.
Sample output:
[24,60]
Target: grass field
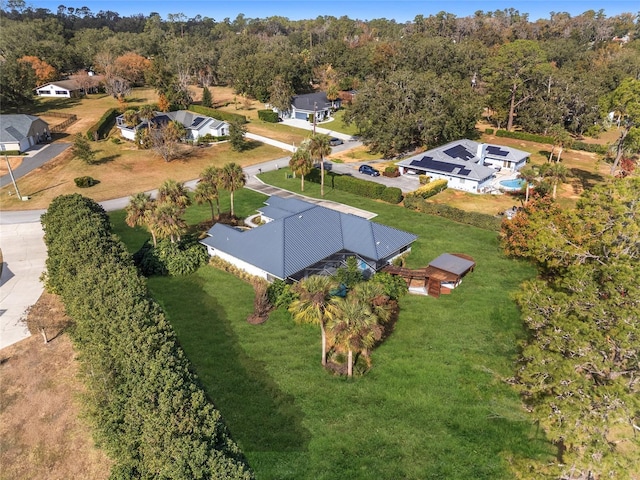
[435,404]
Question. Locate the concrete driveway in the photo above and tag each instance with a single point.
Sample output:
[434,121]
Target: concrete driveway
[24,255]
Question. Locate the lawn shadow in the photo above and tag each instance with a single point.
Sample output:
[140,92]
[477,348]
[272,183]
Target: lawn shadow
[251,145]
[48,104]
[47,188]
[107,159]
[260,415]
[584,180]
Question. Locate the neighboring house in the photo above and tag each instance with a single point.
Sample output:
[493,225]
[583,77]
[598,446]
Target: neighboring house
[299,239]
[304,106]
[21,132]
[69,88]
[467,165]
[197,125]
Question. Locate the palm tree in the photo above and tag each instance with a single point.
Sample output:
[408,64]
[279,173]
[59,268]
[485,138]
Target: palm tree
[131,118]
[147,112]
[207,189]
[167,221]
[311,305]
[353,326]
[232,179]
[528,174]
[140,212]
[561,139]
[319,148]
[301,164]
[556,173]
[174,192]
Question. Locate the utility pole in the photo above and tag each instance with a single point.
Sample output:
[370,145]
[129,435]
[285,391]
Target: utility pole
[15,185]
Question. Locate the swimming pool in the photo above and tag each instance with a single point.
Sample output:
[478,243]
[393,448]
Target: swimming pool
[513,184]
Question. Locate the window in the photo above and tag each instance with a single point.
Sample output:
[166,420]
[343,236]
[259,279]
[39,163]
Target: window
[62,92]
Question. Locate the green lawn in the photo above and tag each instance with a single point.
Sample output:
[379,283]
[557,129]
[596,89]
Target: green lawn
[434,406]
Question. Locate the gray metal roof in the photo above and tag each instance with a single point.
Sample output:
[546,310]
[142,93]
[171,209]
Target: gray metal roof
[309,101]
[19,126]
[452,263]
[308,234]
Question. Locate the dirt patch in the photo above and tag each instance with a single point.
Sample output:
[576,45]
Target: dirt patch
[41,434]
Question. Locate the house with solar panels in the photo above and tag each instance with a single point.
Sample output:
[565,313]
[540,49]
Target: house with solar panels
[299,239]
[465,164]
[195,124]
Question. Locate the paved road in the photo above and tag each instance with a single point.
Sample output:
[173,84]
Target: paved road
[24,251]
[36,160]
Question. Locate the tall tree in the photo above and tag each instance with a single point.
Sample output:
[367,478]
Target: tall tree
[232,179]
[319,148]
[280,94]
[140,213]
[580,363]
[207,101]
[301,164]
[311,305]
[82,149]
[625,101]
[237,131]
[207,189]
[165,140]
[556,173]
[515,75]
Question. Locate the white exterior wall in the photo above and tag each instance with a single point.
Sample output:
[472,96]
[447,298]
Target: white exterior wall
[247,267]
[50,91]
[128,133]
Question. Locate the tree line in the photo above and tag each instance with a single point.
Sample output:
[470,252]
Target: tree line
[149,412]
[419,83]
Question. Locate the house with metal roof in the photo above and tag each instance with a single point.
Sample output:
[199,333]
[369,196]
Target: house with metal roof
[20,132]
[70,88]
[195,124]
[465,164]
[299,239]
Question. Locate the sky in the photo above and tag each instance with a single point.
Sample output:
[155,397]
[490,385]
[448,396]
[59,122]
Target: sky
[399,10]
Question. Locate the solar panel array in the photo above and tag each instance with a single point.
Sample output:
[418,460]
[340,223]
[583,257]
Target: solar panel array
[458,151]
[430,163]
[492,150]
[197,121]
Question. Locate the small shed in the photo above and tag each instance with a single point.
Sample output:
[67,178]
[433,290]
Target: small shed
[441,276]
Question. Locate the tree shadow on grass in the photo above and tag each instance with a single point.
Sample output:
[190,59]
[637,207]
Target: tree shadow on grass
[584,180]
[107,159]
[260,416]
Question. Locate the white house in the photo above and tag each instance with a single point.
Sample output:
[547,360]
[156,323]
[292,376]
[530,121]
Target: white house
[303,107]
[70,88]
[196,125]
[465,164]
[301,239]
[20,132]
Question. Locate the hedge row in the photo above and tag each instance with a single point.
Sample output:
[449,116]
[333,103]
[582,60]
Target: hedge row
[102,127]
[481,220]
[218,114]
[148,410]
[357,186]
[430,189]
[530,137]
[268,116]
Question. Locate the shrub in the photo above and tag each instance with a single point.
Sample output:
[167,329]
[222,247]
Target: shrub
[11,153]
[218,114]
[171,258]
[590,147]
[430,189]
[392,195]
[85,182]
[489,131]
[101,128]
[268,116]
[280,294]
[424,179]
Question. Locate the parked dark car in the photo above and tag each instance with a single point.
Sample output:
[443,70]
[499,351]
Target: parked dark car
[369,170]
[335,141]
[327,165]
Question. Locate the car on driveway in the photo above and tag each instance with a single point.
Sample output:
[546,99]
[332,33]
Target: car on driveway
[369,170]
[335,141]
